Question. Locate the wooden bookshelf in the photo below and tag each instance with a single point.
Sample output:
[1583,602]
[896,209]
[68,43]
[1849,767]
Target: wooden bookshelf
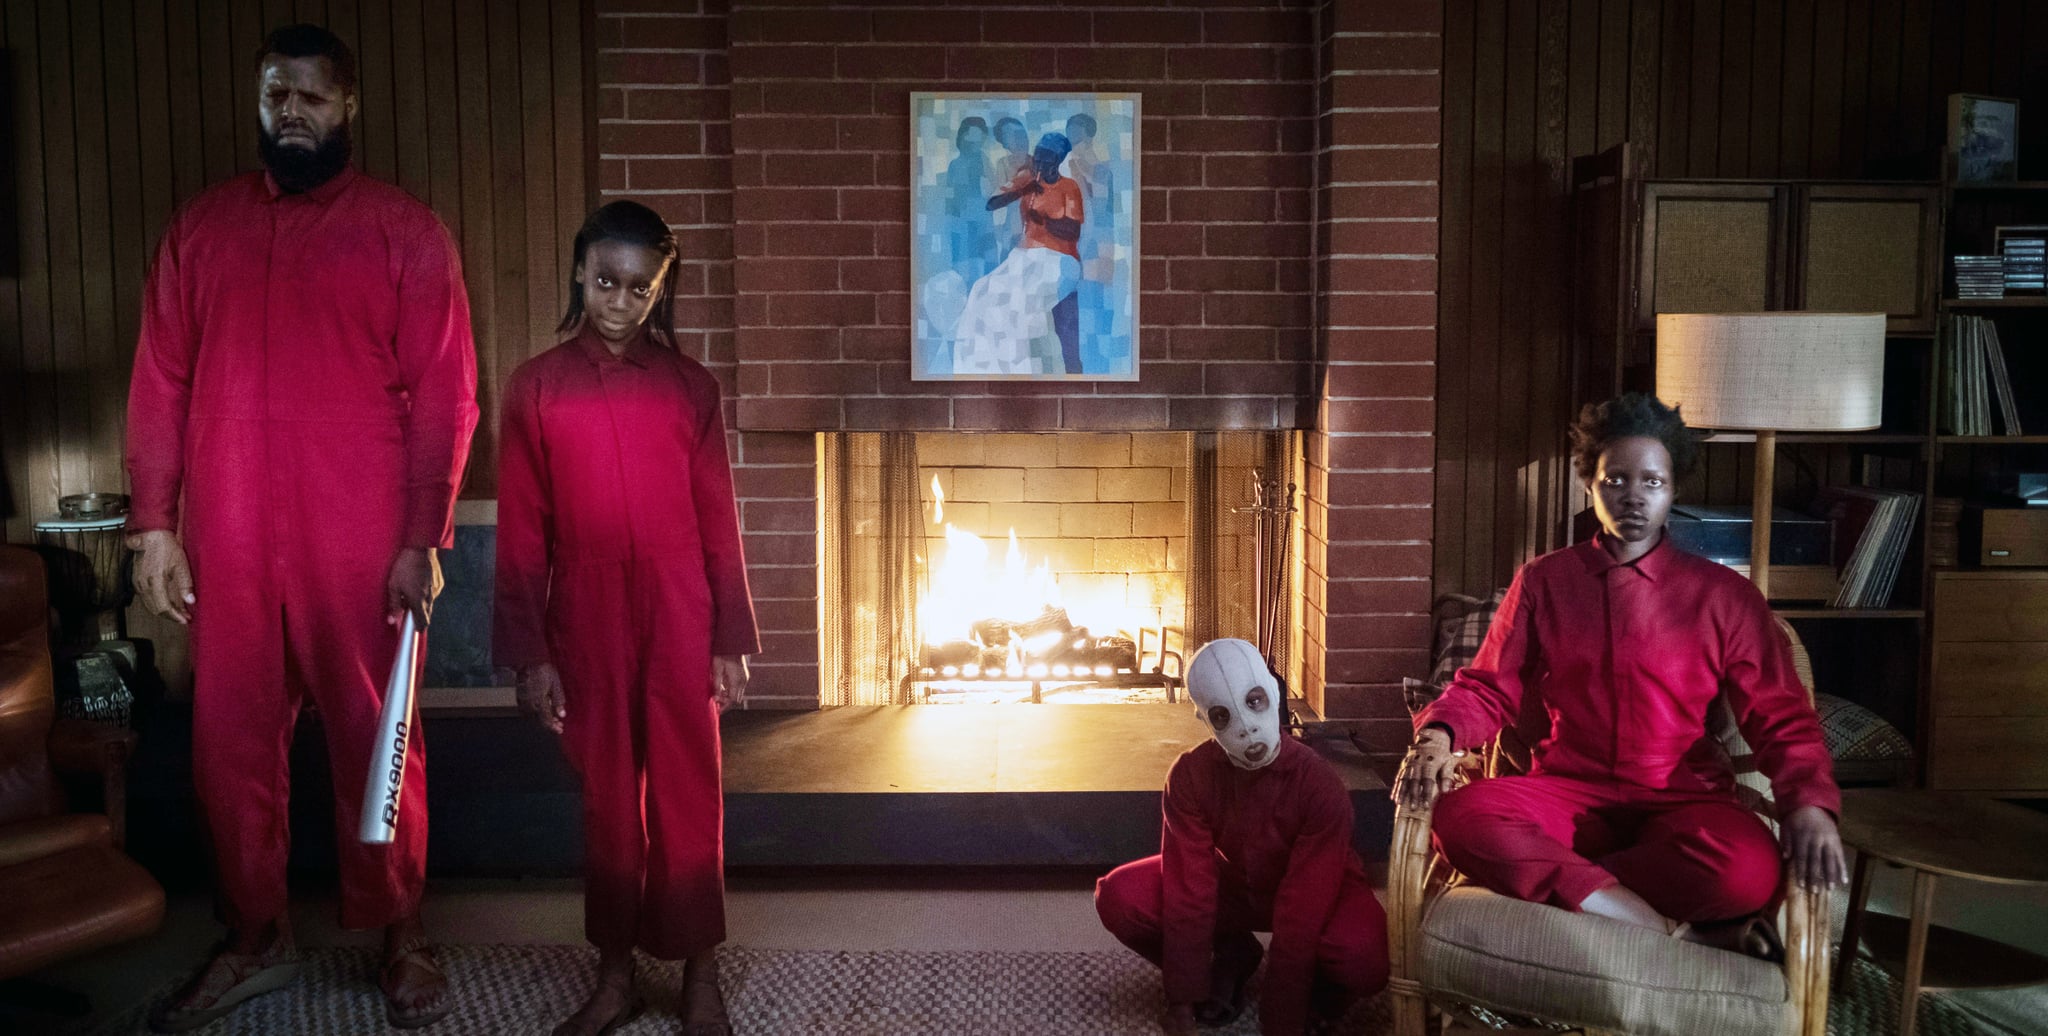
[2009,302]
[1789,612]
[1821,438]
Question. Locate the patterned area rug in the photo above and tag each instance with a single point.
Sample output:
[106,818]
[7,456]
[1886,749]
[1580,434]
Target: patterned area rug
[517,990]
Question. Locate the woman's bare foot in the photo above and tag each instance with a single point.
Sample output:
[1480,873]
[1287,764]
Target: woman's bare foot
[703,1002]
[611,1004]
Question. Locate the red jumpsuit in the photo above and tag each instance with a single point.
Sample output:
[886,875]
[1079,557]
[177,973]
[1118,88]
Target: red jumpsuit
[1626,659]
[305,387]
[619,561]
[1253,850]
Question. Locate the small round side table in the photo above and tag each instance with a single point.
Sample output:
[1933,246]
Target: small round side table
[1932,834]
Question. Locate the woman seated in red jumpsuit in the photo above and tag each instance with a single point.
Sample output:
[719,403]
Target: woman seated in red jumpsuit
[1257,837]
[1628,810]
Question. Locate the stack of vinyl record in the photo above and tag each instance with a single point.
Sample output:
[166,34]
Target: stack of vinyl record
[1980,277]
[1975,380]
[2026,263]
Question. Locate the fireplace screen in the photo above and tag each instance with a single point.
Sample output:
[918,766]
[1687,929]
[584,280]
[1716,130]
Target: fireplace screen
[1065,567]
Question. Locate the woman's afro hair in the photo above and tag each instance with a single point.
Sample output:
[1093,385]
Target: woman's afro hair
[1600,425]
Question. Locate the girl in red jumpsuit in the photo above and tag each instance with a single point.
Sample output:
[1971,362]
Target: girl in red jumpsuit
[1625,642]
[622,603]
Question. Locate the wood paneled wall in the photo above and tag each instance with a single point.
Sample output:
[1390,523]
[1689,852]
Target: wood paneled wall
[122,109]
[1710,88]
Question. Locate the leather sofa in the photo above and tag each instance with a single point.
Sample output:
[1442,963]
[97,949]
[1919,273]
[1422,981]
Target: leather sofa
[67,886]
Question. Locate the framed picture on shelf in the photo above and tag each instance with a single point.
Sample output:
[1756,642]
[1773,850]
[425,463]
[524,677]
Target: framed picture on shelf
[1024,236]
[1983,138]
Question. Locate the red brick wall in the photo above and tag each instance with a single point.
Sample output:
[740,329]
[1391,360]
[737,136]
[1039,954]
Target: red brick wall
[820,128]
[1371,453]
[1289,208]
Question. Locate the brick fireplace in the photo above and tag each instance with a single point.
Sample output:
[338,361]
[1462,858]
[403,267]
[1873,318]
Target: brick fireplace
[1289,275]
[977,567]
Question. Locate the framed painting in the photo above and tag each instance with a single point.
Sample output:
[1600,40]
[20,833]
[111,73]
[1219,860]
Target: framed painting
[1983,138]
[1024,236]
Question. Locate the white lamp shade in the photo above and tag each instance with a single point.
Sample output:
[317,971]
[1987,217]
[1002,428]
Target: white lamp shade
[1788,372]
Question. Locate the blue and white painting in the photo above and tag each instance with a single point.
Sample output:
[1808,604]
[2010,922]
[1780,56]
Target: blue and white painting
[1024,236]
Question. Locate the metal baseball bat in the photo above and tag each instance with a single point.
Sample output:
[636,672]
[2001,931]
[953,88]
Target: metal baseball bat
[394,732]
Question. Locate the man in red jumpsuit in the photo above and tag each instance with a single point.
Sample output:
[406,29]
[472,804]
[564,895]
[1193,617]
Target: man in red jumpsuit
[1626,641]
[1257,837]
[303,398]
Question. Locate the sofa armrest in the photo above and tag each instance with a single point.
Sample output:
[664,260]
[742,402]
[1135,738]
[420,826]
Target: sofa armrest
[81,746]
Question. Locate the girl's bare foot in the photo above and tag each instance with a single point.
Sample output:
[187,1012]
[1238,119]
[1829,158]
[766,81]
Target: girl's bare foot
[611,1004]
[703,1002]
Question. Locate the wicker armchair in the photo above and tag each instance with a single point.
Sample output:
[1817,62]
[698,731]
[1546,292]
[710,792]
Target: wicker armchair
[1468,951]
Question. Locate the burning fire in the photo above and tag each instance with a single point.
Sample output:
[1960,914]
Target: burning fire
[981,617]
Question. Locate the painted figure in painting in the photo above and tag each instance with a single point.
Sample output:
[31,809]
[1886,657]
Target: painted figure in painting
[970,233]
[622,604]
[1004,329]
[1097,179]
[1630,811]
[1005,166]
[1256,838]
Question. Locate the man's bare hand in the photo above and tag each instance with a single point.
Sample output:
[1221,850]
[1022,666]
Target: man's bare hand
[729,681]
[163,577]
[1430,769]
[1813,848]
[540,695]
[414,582]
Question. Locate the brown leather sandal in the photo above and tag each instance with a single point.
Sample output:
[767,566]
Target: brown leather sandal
[223,983]
[419,956]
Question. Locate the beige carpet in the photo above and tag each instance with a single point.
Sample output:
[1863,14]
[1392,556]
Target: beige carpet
[518,990]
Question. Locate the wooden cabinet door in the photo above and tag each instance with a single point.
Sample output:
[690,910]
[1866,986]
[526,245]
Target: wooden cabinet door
[1870,248]
[1711,248]
[1989,711]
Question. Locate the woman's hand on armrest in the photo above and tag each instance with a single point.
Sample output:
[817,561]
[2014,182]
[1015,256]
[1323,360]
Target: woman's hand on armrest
[1813,848]
[1430,769]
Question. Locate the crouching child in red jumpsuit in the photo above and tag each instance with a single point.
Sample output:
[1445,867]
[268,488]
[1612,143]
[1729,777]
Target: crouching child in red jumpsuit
[1629,810]
[1257,837]
[622,604]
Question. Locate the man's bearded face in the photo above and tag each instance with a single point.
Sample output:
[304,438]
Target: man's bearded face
[303,117]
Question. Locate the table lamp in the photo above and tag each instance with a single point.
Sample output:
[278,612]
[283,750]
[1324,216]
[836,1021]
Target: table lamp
[1771,373]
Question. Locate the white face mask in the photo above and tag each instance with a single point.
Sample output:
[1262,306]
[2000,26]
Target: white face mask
[1237,696]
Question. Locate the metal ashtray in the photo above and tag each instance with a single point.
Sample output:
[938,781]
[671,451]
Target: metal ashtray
[88,506]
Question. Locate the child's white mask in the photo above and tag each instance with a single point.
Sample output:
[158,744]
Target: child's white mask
[1237,696]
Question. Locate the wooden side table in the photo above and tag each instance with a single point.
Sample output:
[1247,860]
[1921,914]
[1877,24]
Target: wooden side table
[1933,834]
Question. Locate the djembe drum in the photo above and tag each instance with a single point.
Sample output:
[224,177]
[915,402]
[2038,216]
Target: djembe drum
[85,550]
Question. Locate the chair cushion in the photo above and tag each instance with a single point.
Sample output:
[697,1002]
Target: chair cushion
[72,902]
[1530,959]
[1854,733]
[1459,636]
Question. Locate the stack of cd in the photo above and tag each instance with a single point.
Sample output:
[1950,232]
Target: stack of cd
[2026,263]
[1980,277]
